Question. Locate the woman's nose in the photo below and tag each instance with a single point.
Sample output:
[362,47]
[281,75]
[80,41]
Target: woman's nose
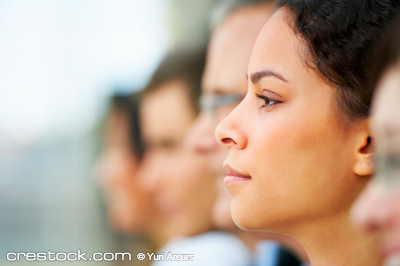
[232,132]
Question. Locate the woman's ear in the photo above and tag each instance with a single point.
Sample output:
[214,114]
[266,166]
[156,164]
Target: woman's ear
[364,165]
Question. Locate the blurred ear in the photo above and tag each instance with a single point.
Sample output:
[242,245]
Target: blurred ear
[364,165]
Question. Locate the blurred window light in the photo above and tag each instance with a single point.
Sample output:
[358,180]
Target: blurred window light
[60,58]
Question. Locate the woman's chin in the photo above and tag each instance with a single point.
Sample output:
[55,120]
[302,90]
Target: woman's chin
[243,225]
[245,219]
[249,219]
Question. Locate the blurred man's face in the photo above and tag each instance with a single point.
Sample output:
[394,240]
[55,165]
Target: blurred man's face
[179,178]
[130,207]
[378,208]
[224,85]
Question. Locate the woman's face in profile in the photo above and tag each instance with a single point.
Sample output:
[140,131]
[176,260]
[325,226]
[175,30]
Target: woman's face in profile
[290,160]
[129,205]
[179,178]
[378,208]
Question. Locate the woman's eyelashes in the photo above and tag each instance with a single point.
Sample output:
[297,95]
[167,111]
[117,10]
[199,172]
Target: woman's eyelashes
[268,101]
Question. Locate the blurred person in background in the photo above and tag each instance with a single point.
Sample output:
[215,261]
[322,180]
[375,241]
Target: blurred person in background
[180,179]
[236,26]
[378,208]
[130,208]
[299,143]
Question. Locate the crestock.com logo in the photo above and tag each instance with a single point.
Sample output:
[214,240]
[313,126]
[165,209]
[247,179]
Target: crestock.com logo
[82,256]
[63,256]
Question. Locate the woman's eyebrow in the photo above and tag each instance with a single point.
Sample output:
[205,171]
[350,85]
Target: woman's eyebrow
[255,77]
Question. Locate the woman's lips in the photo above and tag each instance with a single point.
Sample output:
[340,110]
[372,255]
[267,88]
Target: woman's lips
[234,177]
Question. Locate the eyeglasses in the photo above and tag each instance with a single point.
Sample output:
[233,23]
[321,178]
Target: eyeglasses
[210,103]
[388,168]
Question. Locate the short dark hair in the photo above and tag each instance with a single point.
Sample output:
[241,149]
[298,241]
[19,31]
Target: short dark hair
[342,37]
[129,106]
[184,63]
[225,8]
[389,51]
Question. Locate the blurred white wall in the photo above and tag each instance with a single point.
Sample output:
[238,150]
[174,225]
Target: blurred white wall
[59,58]
[59,61]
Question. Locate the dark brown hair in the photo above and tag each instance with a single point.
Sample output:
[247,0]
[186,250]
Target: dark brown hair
[342,37]
[129,106]
[389,51]
[184,63]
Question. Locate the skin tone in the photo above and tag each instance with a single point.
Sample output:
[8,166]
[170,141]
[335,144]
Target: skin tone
[295,166]
[378,208]
[130,208]
[179,178]
[224,74]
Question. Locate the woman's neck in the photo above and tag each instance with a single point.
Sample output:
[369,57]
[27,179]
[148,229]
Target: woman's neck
[335,241]
[252,238]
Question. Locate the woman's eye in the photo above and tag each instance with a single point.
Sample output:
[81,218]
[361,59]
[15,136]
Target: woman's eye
[268,102]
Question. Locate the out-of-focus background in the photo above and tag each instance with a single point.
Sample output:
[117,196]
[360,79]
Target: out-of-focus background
[60,60]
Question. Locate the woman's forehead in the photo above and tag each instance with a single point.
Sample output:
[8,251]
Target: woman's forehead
[279,49]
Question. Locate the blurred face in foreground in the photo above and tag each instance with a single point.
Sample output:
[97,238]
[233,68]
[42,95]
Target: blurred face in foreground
[179,178]
[292,166]
[129,205]
[224,80]
[378,208]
